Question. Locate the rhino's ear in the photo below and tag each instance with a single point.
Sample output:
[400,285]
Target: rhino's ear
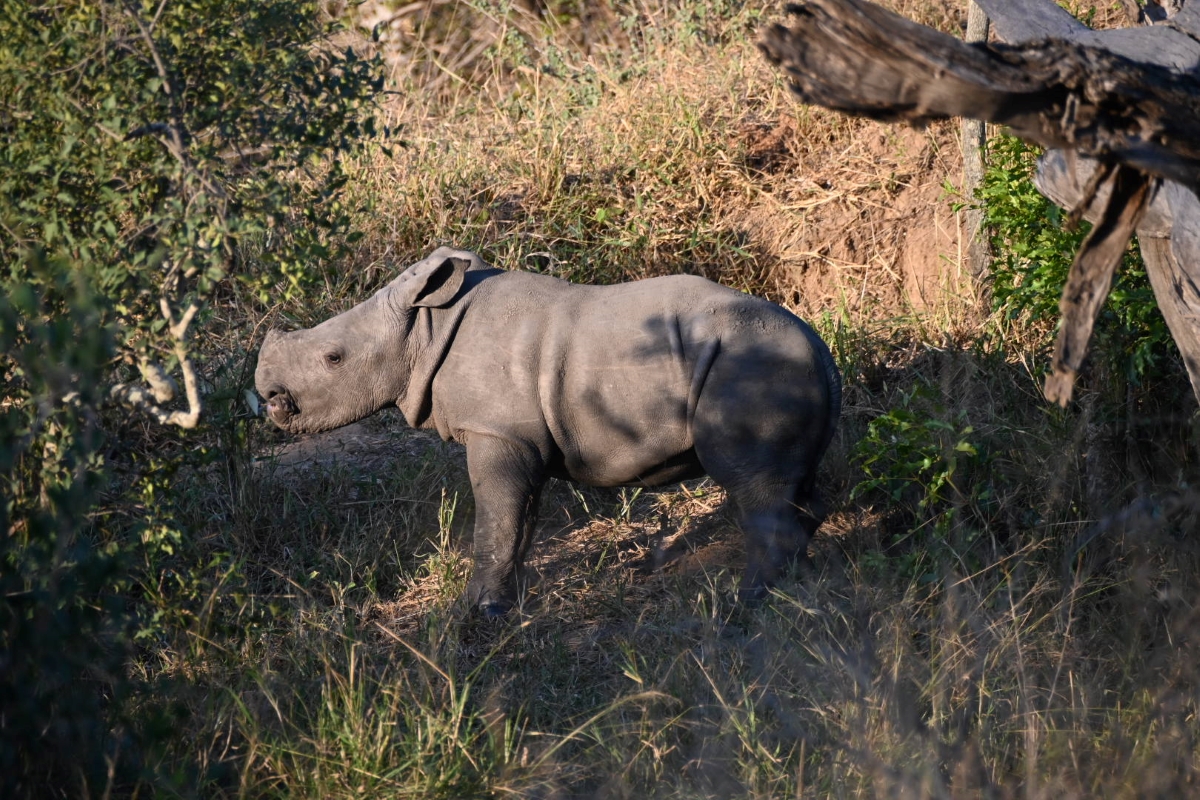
[437,285]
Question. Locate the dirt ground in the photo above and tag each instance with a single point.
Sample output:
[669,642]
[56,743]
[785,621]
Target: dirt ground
[863,222]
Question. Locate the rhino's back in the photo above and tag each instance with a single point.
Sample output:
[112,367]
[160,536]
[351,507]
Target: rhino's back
[609,376]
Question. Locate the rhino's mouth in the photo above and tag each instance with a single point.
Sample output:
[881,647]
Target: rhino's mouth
[282,409]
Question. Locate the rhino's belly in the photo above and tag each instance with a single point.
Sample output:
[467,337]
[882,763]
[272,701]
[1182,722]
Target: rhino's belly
[629,472]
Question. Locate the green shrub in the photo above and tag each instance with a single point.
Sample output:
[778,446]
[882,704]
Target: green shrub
[151,145]
[1033,255]
[61,615]
[146,149]
[921,464]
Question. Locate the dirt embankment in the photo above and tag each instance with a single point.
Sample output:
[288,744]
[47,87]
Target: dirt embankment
[861,221]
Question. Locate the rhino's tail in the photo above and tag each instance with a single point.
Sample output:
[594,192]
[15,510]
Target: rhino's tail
[807,496]
[833,379]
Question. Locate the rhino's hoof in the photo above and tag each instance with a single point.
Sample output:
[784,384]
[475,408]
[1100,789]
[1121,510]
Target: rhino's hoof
[494,610]
[753,595]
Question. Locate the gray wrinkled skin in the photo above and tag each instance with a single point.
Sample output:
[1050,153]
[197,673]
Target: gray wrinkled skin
[638,384]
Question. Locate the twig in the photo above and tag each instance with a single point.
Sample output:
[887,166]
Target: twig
[162,388]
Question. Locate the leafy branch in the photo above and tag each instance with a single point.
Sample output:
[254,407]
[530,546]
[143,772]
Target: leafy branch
[150,142]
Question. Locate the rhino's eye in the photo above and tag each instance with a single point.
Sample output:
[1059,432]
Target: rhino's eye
[333,358]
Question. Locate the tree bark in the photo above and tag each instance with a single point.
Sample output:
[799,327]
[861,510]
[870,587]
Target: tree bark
[1022,21]
[856,57]
[974,135]
[1169,233]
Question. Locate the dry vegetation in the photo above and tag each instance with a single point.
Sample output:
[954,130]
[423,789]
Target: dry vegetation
[1017,618]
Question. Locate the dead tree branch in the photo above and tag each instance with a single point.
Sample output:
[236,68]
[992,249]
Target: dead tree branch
[162,388]
[1139,120]
[856,57]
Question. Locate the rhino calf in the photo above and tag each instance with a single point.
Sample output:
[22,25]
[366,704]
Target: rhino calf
[637,384]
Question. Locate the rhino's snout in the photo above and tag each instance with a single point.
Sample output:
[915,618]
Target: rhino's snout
[280,405]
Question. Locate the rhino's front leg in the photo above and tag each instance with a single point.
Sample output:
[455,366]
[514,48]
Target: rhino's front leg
[506,480]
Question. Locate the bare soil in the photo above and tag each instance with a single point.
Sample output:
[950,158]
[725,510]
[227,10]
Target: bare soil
[860,222]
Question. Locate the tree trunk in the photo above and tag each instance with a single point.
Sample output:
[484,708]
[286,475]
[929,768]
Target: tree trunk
[974,135]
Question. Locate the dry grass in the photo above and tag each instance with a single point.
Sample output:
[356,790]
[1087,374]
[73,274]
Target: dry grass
[1039,644]
[681,152]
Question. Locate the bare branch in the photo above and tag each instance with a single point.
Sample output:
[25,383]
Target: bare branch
[974,147]
[146,130]
[176,132]
[162,387]
[138,397]
[856,57]
[179,330]
[163,75]
[1091,276]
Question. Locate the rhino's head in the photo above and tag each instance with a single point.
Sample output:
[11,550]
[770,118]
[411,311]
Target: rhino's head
[358,362]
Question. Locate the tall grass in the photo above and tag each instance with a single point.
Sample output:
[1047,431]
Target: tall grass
[1017,623]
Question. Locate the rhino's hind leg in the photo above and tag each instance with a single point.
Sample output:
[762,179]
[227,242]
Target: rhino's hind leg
[506,480]
[776,540]
[809,511]
[773,486]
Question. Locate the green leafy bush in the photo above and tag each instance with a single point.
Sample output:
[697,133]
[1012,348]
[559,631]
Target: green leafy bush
[149,144]
[146,149]
[919,463]
[61,615]
[1033,255]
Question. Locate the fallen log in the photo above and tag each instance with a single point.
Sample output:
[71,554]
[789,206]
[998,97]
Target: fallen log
[1174,46]
[1169,233]
[1139,120]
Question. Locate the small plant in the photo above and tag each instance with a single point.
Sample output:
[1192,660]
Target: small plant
[628,499]
[915,462]
[448,565]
